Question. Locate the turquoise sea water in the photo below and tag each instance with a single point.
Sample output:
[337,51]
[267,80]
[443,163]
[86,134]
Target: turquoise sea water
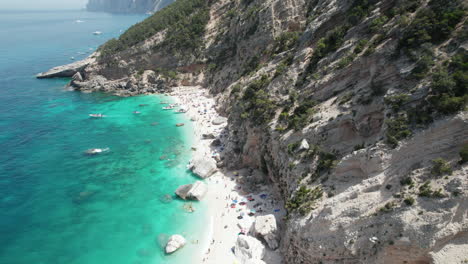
[58,205]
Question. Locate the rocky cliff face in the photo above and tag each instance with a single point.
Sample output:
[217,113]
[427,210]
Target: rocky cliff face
[355,111]
[126,6]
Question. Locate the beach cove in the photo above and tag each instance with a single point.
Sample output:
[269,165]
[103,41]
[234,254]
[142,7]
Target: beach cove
[60,205]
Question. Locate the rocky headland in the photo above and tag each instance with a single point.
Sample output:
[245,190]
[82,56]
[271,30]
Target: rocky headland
[127,6]
[351,112]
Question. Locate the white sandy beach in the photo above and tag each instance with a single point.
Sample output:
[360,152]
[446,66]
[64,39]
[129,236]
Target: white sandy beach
[224,187]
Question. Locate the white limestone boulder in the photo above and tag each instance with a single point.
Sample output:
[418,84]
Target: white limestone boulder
[219,121]
[266,228]
[175,242]
[194,191]
[248,249]
[304,145]
[203,167]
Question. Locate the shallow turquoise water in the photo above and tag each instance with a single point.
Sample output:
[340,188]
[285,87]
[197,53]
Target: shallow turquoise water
[59,205]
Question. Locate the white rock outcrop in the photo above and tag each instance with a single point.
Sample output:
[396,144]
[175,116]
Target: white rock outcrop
[203,167]
[249,249]
[194,191]
[175,242]
[266,228]
[304,145]
[68,70]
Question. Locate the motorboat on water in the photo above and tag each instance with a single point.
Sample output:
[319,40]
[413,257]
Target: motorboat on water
[164,103]
[136,112]
[95,151]
[97,33]
[79,21]
[97,115]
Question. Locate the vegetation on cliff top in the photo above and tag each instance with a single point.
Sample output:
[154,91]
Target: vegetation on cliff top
[184,21]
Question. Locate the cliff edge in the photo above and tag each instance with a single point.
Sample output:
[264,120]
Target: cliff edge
[356,112]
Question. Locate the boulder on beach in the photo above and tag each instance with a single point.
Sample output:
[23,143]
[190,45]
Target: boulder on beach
[219,121]
[248,248]
[266,228]
[208,136]
[203,167]
[194,191]
[216,143]
[175,242]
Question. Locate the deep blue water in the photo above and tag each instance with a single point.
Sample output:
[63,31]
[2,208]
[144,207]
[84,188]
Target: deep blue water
[58,205]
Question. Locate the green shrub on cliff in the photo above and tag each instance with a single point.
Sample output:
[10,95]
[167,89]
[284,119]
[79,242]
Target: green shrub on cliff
[441,167]
[304,199]
[256,102]
[285,41]
[301,115]
[326,162]
[432,24]
[464,154]
[449,90]
[184,21]
[397,129]
[330,43]
[396,101]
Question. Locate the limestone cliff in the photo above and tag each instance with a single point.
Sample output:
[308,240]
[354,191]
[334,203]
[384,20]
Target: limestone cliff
[354,109]
[126,6]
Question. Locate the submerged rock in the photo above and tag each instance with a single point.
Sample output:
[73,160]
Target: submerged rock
[175,242]
[166,198]
[266,228]
[194,191]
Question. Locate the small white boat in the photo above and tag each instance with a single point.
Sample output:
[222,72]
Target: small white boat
[97,33]
[95,151]
[136,112]
[79,21]
[168,108]
[97,115]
